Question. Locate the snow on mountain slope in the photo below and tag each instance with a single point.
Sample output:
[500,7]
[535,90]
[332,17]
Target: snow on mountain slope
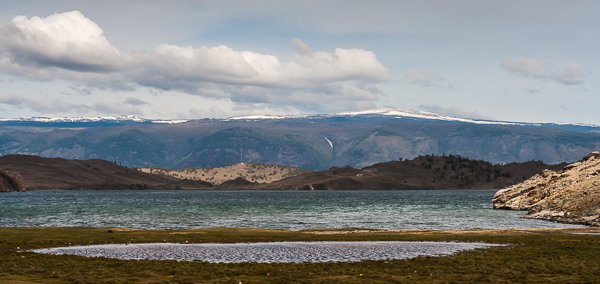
[409,114]
[382,112]
[121,118]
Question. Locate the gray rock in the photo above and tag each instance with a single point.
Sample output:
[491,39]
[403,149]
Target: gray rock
[571,195]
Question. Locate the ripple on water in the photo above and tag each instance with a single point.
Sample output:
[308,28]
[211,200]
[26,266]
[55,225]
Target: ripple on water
[276,252]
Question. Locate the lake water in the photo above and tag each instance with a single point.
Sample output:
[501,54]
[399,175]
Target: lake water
[291,210]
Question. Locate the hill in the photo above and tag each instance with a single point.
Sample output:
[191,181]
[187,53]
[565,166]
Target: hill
[260,173]
[41,173]
[423,172]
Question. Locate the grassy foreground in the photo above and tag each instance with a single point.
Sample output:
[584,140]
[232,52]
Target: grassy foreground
[535,255]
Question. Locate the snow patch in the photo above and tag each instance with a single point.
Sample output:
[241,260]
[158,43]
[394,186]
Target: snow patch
[330,144]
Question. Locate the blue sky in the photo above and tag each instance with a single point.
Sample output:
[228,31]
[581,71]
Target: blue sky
[534,61]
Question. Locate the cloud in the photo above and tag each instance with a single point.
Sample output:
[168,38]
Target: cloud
[301,47]
[115,108]
[425,77]
[532,90]
[67,41]
[55,106]
[453,111]
[571,74]
[11,99]
[135,102]
[71,47]
[213,112]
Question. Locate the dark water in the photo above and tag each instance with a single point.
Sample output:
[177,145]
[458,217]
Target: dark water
[295,210]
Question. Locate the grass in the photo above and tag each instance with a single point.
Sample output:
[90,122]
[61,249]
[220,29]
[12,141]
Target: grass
[533,256]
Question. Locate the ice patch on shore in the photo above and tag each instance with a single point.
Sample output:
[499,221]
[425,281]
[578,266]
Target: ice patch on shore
[276,252]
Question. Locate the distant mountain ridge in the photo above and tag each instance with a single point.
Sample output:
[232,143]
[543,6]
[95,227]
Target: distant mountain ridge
[91,121]
[385,112]
[310,142]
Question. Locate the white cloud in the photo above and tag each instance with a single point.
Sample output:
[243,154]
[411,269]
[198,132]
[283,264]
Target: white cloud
[68,41]
[570,74]
[71,47]
[453,111]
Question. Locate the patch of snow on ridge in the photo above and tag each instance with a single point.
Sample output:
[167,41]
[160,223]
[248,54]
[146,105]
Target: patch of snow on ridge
[423,115]
[170,121]
[116,118]
[251,117]
[78,119]
[330,144]
[383,111]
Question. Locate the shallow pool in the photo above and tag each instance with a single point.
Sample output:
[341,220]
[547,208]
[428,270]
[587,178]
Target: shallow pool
[275,252]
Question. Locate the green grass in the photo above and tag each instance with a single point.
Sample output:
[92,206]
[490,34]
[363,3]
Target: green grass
[533,256]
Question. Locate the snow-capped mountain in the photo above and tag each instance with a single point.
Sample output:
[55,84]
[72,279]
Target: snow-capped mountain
[364,114]
[422,115]
[121,119]
[311,142]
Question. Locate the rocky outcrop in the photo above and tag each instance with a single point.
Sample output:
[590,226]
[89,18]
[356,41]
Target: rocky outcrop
[571,195]
[10,181]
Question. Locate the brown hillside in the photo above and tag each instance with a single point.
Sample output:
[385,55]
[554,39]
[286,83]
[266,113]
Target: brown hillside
[258,173]
[62,174]
[423,172]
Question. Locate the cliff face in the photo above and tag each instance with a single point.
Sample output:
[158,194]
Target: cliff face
[571,195]
[11,182]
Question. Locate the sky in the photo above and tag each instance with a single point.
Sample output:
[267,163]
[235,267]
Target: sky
[529,61]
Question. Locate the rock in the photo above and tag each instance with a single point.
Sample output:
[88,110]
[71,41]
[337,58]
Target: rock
[10,181]
[571,195]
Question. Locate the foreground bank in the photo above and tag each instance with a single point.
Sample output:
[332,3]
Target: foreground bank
[532,255]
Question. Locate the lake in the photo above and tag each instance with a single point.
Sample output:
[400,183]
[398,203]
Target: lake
[289,210]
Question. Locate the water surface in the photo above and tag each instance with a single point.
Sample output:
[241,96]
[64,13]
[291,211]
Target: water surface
[291,210]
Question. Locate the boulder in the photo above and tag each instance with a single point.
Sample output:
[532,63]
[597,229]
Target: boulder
[571,195]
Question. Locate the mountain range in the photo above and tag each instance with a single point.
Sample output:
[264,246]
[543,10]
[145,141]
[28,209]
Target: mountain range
[311,142]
